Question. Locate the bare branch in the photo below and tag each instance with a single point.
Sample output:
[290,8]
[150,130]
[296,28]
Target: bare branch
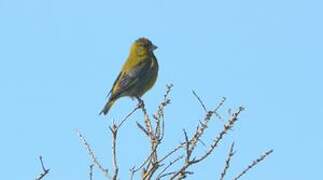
[181,173]
[159,115]
[114,131]
[200,101]
[135,170]
[161,174]
[218,107]
[187,147]
[154,130]
[204,124]
[148,124]
[142,128]
[227,162]
[153,127]
[127,117]
[45,170]
[171,152]
[91,171]
[155,133]
[254,163]
[233,119]
[92,155]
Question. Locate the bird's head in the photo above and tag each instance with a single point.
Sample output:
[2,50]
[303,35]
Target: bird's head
[143,47]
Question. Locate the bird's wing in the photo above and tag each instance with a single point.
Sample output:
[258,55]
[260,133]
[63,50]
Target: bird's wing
[114,84]
[126,80]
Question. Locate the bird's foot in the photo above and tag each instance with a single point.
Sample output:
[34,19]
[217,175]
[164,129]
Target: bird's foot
[140,102]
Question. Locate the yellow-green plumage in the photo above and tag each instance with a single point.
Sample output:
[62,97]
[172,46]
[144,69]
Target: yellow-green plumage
[138,74]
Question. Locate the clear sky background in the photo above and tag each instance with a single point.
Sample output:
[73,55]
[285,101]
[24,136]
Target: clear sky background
[59,58]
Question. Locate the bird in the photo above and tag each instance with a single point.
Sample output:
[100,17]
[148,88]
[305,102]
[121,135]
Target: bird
[138,74]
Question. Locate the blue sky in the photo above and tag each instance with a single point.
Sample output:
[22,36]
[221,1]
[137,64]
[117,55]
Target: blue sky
[58,59]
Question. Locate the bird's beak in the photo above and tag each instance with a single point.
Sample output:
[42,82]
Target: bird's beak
[153,47]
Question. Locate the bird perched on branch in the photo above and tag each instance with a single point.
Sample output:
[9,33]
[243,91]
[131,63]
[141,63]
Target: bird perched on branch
[138,74]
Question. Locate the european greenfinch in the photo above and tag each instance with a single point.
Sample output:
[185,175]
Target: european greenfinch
[138,74]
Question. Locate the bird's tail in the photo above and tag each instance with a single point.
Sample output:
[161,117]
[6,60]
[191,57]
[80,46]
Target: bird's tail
[107,107]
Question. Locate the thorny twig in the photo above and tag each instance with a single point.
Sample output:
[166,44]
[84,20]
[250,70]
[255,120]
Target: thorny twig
[200,101]
[254,163]
[127,117]
[134,170]
[227,162]
[178,147]
[154,142]
[154,129]
[204,124]
[232,120]
[45,170]
[155,134]
[181,173]
[114,131]
[91,171]
[92,155]
[161,174]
